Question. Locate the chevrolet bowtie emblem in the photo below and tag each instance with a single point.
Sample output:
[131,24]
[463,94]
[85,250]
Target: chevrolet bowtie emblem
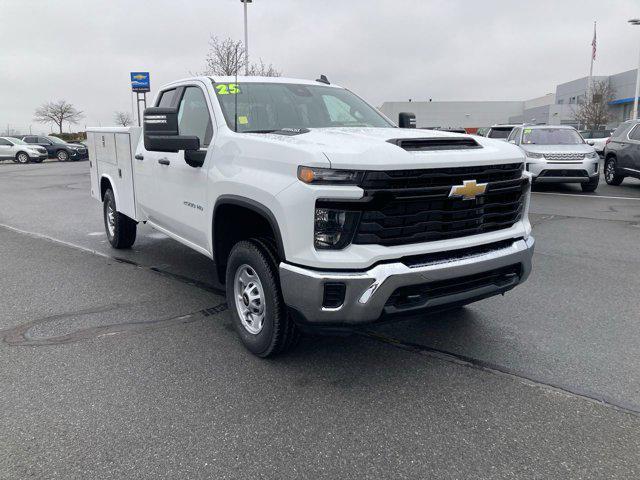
[468,190]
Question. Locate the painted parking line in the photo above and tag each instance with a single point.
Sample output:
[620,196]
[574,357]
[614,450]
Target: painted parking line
[604,197]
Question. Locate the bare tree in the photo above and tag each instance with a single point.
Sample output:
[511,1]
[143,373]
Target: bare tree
[594,111]
[58,113]
[227,56]
[122,118]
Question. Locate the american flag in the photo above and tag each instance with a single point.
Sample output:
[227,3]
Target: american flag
[594,43]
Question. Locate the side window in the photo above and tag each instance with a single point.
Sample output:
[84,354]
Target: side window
[166,98]
[514,135]
[5,143]
[193,116]
[618,131]
[635,133]
[30,139]
[44,140]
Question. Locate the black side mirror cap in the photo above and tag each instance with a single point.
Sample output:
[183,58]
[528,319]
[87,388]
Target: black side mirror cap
[407,120]
[161,131]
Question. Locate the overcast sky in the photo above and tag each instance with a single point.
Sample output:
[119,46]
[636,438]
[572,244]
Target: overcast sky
[83,50]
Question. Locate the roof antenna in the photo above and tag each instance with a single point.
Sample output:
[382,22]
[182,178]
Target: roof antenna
[323,79]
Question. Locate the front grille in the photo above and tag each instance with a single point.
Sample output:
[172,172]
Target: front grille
[412,206]
[563,173]
[564,156]
[417,295]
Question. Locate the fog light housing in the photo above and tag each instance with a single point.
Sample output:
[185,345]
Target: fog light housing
[333,228]
[333,296]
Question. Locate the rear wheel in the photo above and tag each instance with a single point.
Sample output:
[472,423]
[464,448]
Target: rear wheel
[591,185]
[62,155]
[610,174]
[255,301]
[22,157]
[121,230]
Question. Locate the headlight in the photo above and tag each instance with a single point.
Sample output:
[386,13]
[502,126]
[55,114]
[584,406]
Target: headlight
[533,154]
[333,228]
[592,155]
[329,176]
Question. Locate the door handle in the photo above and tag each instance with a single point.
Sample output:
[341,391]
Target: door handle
[139,157]
[164,161]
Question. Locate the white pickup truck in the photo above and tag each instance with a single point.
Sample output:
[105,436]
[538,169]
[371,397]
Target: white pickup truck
[317,210]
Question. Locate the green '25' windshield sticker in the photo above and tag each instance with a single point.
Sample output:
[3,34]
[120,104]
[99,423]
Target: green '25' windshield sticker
[227,88]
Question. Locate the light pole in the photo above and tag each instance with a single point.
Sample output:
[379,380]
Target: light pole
[636,21]
[246,38]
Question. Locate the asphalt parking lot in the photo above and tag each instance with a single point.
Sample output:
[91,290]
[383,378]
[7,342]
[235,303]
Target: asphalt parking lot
[125,365]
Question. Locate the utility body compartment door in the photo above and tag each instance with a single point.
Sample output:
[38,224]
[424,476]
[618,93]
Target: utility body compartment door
[113,151]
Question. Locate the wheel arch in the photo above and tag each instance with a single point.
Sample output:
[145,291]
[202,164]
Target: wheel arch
[22,151]
[229,206]
[107,182]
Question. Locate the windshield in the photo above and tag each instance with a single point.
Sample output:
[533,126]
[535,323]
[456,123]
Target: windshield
[17,141]
[57,140]
[499,132]
[551,136]
[268,107]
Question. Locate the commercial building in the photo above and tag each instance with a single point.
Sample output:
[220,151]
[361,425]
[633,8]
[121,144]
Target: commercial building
[553,109]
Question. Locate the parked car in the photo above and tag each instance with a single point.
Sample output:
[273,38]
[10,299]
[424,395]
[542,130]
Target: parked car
[622,153]
[20,152]
[596,138]
[483,131]
[558,154]
[57,148]
[500,132]
[317,211]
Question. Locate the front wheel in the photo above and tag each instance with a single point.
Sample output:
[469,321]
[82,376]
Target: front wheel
[22,157]
[610,175]
[62,155]
[255,301]
[121,230]
[591,185]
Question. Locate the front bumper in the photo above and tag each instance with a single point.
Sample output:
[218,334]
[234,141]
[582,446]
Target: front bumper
[547,171]
[367,292]
[78,154]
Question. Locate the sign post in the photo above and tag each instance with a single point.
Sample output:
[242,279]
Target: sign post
[141,84]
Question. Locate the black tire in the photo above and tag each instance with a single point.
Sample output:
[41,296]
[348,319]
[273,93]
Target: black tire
[591,185]
[278,332]
[123,231]
[22,157]
[62,156]
[611,176]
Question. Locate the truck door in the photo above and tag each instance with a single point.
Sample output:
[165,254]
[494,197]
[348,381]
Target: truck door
[144,166]
[180,193]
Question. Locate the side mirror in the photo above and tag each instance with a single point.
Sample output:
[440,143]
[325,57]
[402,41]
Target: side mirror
[406,120]
[161,132]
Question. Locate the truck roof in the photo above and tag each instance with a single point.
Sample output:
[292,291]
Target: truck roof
[252,79]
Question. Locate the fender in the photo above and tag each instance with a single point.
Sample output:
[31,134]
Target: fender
[113,187]
[256,207]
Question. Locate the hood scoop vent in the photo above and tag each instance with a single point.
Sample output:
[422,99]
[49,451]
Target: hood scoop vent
[439,143]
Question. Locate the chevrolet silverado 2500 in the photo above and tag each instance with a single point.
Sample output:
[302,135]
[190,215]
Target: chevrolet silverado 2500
[317,210]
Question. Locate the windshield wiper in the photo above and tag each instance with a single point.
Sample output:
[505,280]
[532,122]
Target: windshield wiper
[260,131]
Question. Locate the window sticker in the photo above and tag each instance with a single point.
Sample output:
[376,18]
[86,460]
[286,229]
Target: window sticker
[242,120]
[527,130]
[227,89]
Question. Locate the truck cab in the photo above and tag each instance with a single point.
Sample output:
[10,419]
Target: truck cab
[317,210]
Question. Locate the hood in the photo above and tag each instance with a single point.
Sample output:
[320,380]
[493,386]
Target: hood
[580,148]
[369,148]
